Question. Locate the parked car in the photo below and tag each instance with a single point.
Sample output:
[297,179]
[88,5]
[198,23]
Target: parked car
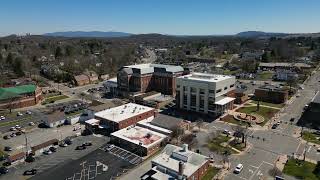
[7,148]
[30,158]
[238,169]
[68,141]
[13,135]
[81,147]
[227,132]
[47,152]
[53,149]
[6,137]
[274,126]
[87,144]
[19,114]
[18,133]
[13,129]
[30,172]
[63,145]
[31,124]
[292,119]
[28,112]
[3,170]
[7,163]
[2,118]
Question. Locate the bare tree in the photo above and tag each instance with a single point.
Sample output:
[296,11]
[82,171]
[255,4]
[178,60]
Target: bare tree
[199,123]
[241,131]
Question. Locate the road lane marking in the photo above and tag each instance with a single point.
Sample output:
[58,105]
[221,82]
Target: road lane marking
[298,147]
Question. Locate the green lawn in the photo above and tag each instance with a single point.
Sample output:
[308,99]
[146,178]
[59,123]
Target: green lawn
[75,113]
[269,104]
[230,119]
[265,75]
[267,113]
[54,98]
[210,173]
[240,146]
[310,137]
[215,145]
[304,170]
[228,72]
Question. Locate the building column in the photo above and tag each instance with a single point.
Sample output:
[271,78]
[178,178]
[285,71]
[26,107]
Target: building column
[197,99]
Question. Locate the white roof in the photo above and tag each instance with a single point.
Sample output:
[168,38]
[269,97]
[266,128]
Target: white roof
[149,68]
[169,158]
[92,121]
[140,136]
[206,77]
[224,101]
[123,112]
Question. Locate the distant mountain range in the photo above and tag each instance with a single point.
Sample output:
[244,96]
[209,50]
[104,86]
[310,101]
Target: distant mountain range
[111,34]
[88,34]
[250,34]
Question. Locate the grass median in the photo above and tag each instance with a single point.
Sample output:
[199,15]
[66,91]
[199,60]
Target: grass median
[265,112]
[9,123]
[54,98]
[311,137]
[215,145]
[300,169]
[210,173]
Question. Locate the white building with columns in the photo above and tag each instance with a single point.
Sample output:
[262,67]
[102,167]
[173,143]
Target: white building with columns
[205,93]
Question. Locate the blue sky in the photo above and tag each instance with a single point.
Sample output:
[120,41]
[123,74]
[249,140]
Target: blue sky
[183,17]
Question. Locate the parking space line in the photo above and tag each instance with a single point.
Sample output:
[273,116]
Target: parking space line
[254,166]
[268,163]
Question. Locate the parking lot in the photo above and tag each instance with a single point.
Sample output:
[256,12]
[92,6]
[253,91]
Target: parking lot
[62,156]
[38,136]
[123,154]
[12,119]
[96,165]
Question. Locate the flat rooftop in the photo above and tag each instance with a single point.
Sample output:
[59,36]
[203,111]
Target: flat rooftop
[149,68]
[172,155]
[120,113]
[206,77]
[140,136]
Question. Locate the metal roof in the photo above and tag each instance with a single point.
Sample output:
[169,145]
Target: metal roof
[6,93]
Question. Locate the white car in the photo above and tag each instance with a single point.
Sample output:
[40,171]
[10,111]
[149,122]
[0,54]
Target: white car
[227,132]
[13,129]
[31,123]
[19,114]
[29,112]
[2,118]
[47,152]
[238,169]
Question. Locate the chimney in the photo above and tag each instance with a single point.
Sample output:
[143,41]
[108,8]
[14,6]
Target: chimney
[185,147]
[181,169]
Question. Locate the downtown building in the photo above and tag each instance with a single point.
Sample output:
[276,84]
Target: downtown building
[209,94]
[142,78]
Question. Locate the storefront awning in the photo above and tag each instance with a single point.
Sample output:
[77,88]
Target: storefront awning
[224,101]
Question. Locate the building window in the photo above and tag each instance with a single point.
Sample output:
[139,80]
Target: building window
[219,90]
[178,86]
[202,91]
[211,91]
[193,90]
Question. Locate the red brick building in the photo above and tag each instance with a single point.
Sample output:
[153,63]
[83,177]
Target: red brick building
[273,94]
[20,96]
[148,77]
[113,119]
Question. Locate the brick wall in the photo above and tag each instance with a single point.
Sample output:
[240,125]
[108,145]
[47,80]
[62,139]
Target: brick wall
[271,96]
[200,172]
